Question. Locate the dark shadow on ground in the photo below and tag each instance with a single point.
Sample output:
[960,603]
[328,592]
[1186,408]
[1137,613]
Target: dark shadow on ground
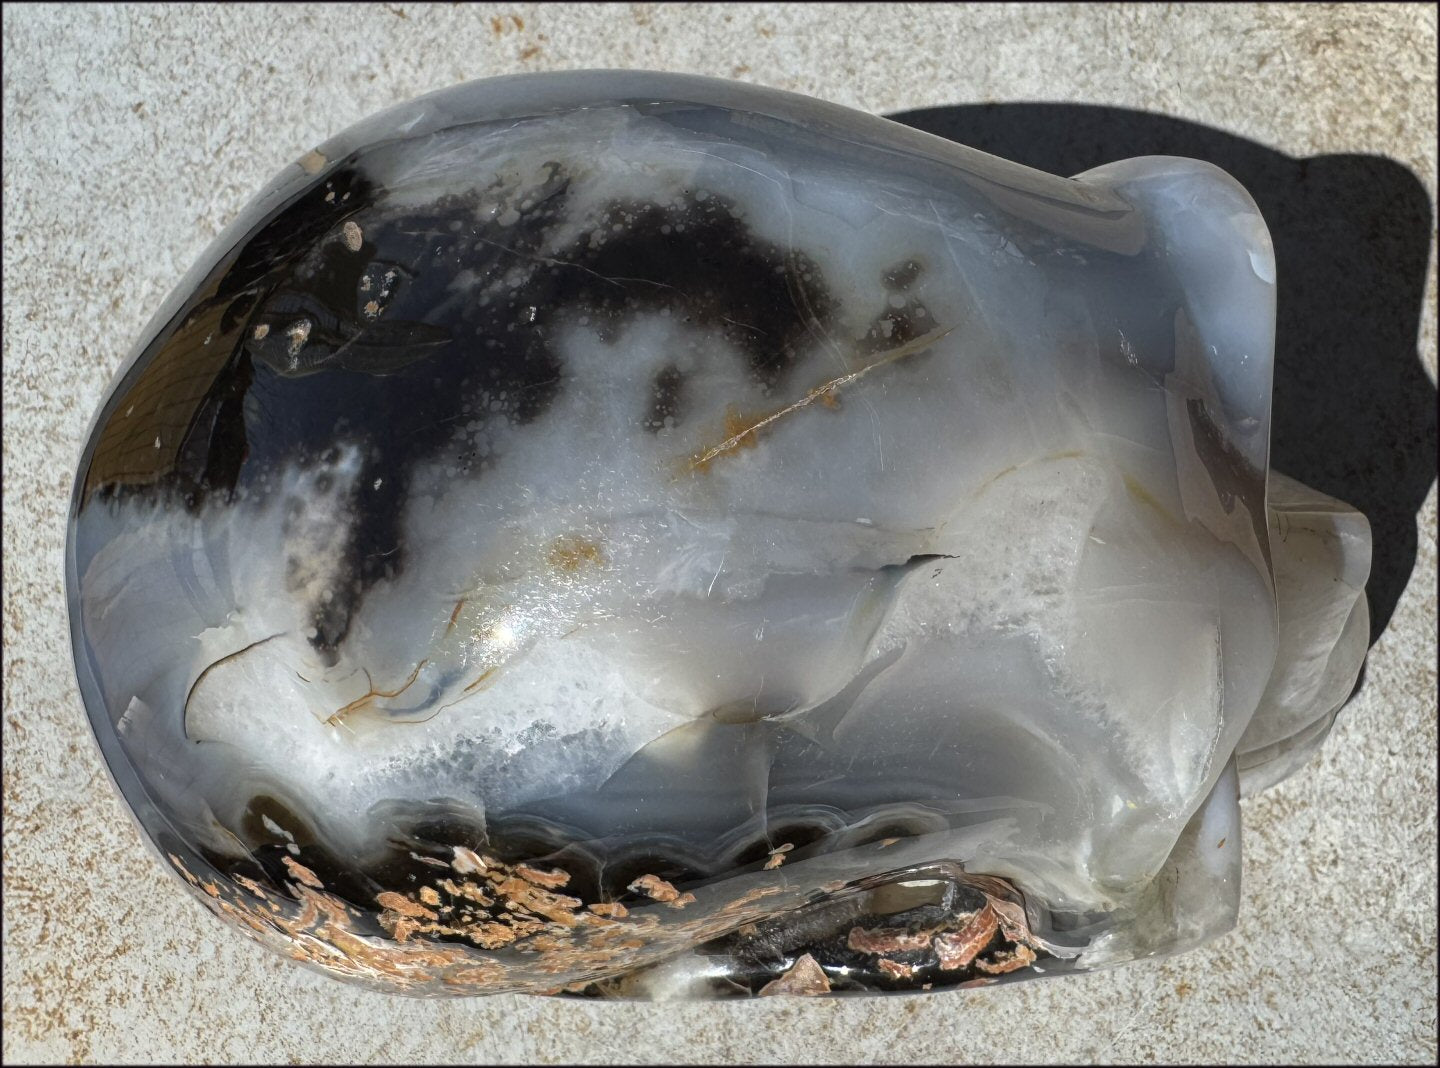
[1354,412]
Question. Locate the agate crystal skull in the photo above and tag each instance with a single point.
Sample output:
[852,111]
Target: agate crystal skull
[638,535]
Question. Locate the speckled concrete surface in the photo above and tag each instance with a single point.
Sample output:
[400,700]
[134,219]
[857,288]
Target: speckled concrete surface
[133,133]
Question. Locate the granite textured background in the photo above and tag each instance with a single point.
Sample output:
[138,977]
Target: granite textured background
[133,133]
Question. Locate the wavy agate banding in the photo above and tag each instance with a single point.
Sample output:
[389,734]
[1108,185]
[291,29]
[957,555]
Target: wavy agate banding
[630,476]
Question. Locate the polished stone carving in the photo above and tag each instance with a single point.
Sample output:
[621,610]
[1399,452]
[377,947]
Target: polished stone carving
[641,535]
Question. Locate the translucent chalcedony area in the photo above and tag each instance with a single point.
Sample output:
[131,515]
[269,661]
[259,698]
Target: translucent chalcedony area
[639,535]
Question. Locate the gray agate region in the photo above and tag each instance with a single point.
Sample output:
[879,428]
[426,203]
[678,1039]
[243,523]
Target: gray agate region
[641,535]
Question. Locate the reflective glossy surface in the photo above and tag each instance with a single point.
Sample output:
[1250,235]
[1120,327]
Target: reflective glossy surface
[640,535]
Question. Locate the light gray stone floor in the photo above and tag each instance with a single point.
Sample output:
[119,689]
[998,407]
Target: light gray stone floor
[133,133]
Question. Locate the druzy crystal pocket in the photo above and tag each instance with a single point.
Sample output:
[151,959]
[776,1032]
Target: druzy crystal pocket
[639,535]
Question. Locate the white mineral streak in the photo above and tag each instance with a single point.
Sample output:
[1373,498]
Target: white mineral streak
[1089,643]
